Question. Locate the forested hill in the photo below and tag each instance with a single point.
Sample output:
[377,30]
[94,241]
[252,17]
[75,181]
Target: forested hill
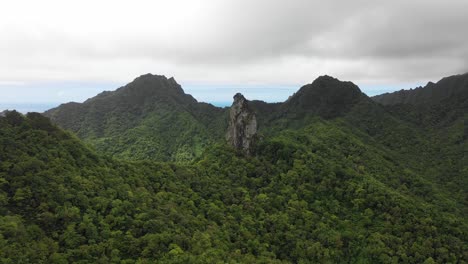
[433,93]
[442,105]
[140,121]
[323,192]
[152,117]
[326,96]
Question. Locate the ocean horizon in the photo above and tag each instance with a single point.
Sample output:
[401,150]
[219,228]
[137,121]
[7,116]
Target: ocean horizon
[27,107]
[42,107]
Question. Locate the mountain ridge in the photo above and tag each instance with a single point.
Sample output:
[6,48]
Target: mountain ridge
[139,120]
[111,119]
[138,112]
[432,93]
[331,179]
[442,104]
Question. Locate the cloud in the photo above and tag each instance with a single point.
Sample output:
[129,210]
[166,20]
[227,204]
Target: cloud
[233,41]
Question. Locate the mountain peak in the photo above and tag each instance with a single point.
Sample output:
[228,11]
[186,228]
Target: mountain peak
[327,81]
[153,86]
[156,80]
[173,81]
[326,96]
[148,76]
[325,77]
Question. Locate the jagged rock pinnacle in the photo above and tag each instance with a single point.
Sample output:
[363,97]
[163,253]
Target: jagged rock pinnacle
[242,128]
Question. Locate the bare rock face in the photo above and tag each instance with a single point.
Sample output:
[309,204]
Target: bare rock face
[242,128]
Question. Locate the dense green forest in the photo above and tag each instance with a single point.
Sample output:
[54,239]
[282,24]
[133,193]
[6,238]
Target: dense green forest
[316,194]
[149,118]
[334,177]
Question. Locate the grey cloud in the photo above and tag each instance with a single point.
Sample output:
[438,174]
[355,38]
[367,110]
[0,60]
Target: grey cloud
[239,32]
[365,40]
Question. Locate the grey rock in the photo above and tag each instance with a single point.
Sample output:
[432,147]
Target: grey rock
[242,128]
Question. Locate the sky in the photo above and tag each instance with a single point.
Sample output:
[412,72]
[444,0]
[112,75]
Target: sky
[55,51]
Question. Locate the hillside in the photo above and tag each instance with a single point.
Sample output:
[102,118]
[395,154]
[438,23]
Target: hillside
[315,194]
[138,121]
[152,118]
[333,176]
[438,104]
[433,93]
[440,111]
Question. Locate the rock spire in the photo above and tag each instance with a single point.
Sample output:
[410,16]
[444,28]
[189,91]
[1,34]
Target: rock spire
[242,128]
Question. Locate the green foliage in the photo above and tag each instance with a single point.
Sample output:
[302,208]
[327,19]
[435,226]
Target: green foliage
[323,192]
[150,118]
[153,138]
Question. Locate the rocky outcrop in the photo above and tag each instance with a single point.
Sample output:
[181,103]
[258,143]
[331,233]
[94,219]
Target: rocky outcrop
[242,128]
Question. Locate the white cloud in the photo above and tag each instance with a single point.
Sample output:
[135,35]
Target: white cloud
[232,41]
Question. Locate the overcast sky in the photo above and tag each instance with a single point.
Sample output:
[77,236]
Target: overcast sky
[58,51]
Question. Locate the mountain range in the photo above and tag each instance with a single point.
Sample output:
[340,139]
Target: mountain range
[138,121]
[147,174]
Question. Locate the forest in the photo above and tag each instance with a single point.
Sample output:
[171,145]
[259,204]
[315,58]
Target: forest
[355,184]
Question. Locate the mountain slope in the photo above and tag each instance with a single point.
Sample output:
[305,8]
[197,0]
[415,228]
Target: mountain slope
[316,194]
[152,118]
[167,124]
[436,105]
[335,177]
[440,111]
[138,121]
[432,93]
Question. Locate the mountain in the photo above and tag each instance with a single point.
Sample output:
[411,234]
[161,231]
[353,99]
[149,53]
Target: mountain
[327,97]
[440,104]
[152,118]
[364,181]
[325,192]
[433,93]
[139,121]
[440,112]
[427,138]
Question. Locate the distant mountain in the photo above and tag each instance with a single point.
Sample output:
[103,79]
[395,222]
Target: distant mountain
[437,105]
[327,97]
[152,117]
[149,118]
[433,93]
[438,113]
